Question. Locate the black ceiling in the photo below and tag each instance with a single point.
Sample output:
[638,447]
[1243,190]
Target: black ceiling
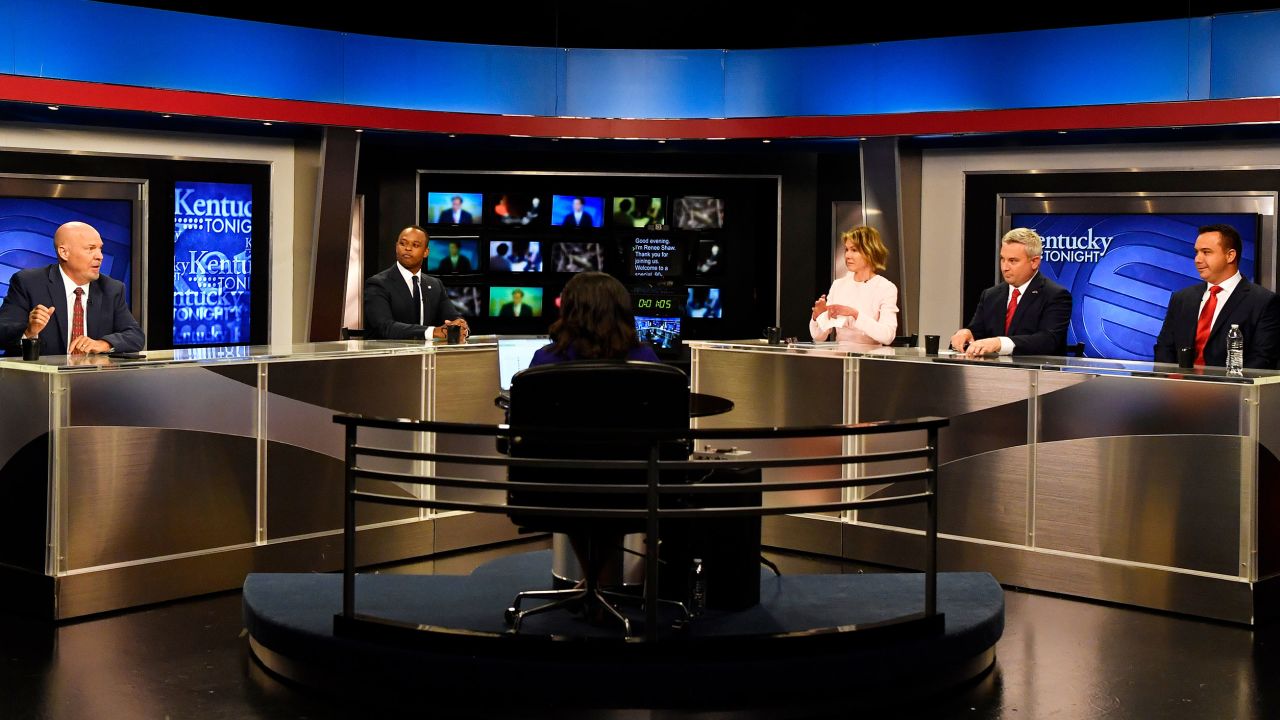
[663,24]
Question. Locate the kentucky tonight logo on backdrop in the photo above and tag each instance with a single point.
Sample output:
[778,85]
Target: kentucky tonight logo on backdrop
[212,263]
[1121,269]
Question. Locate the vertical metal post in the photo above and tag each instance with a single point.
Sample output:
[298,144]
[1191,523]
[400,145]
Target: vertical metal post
[349,528]
[651,547]
[931,563]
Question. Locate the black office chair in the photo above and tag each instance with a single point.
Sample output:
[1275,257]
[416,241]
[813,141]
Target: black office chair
[347,333]
[904,341]
[604,395]
[1077,350]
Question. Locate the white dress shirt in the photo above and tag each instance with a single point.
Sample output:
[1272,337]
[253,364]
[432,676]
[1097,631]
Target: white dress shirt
[422,292]
[1006,344]
[70,286]
[1228,286]
[876,301]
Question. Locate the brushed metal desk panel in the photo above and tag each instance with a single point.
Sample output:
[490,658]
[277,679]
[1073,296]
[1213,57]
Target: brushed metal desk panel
[304,494]
[183,398]
[984,496]
[24,410]
[987,406]
[770,389]
[1109,406]
[385,386]
[1268,505]
[135,493]
[1164,500]
[465,385]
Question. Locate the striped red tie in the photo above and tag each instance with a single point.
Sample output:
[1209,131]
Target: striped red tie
[77,317]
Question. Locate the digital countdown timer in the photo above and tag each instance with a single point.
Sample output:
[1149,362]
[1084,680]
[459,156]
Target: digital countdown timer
[657,305]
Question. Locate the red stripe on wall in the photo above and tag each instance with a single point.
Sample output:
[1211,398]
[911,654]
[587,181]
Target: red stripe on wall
[182,102]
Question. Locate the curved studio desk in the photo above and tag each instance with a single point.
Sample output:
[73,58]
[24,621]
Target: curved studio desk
[131,482]
[1121,481]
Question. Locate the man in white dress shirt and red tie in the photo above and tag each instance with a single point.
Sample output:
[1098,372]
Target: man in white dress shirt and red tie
[1200,315]
[1027,314]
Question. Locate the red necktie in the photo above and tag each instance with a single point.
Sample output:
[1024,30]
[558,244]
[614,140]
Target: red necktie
[1206,322]
[1013,307]
[77,317]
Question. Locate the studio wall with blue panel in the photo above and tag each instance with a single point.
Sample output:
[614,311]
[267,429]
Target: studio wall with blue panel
[644,83]
[1227,56]
[800,81]
[1246,56]
[99,42]
[391,72]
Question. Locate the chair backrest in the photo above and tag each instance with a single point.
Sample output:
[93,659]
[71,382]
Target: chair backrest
[905,341]
[347,333]
[612,395]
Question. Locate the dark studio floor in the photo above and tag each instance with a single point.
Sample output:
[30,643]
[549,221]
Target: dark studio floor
[1058,659]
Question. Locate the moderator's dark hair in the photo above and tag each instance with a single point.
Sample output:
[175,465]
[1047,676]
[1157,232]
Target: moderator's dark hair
[595,319]
[1230,238]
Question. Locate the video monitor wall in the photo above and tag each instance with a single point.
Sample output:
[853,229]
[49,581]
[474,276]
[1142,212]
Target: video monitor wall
[1122,257]
[537,230]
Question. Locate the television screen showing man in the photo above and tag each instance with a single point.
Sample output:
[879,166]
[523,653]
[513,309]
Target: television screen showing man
[1027,314]
[69,306]
[515,302]
[456,256]
[577,211]
[456,208]
[1200,315]
[404,303]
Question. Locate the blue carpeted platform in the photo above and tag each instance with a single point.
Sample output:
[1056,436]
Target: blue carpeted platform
[723,658]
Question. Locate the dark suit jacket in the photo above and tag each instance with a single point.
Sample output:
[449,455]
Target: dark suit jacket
[446,265]
[1254,308]
[1039,324]
[389,313]
[446,218]
[509,310]
[587,220]
[106,312]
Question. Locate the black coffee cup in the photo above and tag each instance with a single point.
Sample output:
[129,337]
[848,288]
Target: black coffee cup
[453,334]
[931,344]
[1186,357]
[31,348]
[773,335]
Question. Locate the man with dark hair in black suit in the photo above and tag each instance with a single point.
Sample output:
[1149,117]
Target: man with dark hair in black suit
[1027,314]
[580,217]
[455,215]
[402,302]
[70,306]
[456,262]
[1199,316]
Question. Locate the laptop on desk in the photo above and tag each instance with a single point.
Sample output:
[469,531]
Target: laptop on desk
[514,355]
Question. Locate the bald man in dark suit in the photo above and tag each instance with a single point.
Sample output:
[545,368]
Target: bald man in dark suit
[70,306]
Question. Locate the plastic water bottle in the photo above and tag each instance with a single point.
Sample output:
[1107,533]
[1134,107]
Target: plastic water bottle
[1235,352]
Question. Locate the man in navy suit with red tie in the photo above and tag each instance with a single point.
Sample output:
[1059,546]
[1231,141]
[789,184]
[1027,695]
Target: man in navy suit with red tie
[70,306]
[1027,314]
[1199,316]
